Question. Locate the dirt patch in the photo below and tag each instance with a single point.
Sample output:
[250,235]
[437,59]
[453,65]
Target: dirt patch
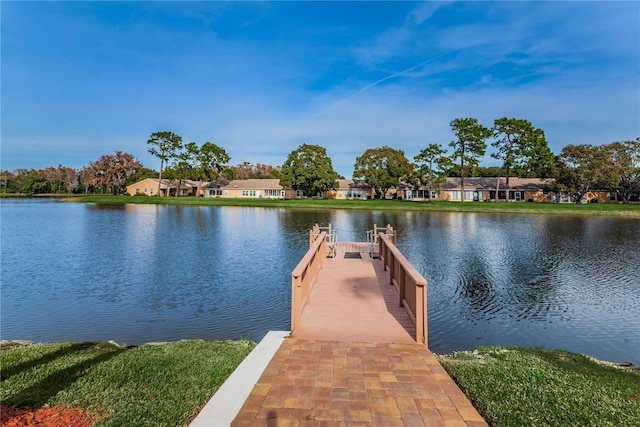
[54,416]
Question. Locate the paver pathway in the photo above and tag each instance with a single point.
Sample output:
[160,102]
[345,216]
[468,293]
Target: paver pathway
[341,383]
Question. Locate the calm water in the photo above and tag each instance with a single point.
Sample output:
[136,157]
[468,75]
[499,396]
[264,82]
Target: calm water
[134,274]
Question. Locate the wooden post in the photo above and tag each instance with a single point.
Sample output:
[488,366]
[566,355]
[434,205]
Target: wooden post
[402,285]
[421,315]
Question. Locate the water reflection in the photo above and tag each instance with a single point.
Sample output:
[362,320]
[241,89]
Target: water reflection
[138,273]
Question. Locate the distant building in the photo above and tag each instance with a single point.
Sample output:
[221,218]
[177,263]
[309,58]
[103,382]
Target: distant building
[348,189]
[475,189]
[480,189]
[149,187]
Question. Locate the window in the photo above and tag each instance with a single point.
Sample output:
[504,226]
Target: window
[434,195]
[612,196]
[455,195]
[137,191]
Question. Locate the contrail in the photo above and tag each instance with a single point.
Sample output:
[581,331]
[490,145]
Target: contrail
[390,76]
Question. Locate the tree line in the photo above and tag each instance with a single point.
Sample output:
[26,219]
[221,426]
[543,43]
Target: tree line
[111,173]
[520,149]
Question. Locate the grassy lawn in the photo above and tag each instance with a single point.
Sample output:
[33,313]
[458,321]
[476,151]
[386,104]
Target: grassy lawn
[167,385]
[387,205]
[163,385]
[537,387]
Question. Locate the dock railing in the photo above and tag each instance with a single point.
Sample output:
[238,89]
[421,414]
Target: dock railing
[411,285]
[305,274]
[330,238]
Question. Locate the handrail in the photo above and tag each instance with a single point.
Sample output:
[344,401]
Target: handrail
[304,276]
[411,285]
[331,238]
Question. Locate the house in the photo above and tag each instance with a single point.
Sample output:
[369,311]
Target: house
[594,196]
[149,187]
[252,188]
[214,188]
[348,189]
[479,189]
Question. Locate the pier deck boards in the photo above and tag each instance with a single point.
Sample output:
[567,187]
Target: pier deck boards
[353,301]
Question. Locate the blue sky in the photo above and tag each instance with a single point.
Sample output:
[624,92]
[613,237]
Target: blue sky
[82,79]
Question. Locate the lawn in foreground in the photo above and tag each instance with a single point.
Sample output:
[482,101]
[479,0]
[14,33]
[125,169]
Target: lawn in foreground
[164,385]
[536,387]
[167,385]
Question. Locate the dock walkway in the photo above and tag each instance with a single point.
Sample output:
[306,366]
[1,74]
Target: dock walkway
[353,358]
[353,301]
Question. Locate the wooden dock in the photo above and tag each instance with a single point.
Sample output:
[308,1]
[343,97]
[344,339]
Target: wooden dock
[358,351]
[353,300]
[358,291]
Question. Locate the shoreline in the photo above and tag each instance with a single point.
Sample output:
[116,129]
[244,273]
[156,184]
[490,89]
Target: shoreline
[618,210]
[543,208]
[471,353]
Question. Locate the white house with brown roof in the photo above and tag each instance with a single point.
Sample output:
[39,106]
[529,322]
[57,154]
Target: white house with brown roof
[149,187]
[249,188]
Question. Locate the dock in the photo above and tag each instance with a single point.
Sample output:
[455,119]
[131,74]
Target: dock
[357,354]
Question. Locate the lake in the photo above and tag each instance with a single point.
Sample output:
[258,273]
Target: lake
[143,273]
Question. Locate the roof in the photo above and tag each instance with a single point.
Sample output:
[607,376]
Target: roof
[164,183]
[216,184]
[349,184]
[254,184]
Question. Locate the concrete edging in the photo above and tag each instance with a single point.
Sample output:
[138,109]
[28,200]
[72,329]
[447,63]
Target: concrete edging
[225,404]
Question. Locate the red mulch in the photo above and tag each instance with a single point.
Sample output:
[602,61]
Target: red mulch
[55,416]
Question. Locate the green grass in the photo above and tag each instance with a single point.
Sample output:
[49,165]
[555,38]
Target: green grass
[594,209]
[167,385]
[538,387]
[163,385]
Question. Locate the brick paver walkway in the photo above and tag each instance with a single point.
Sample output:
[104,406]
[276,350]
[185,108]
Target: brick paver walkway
[340,383]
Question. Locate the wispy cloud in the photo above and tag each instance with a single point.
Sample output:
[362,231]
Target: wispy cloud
[81,80]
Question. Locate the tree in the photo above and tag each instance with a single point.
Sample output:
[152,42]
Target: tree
[382,168]
[209,160]
[142,173]
[6,179]
[520,146]
[111,171]
[486,171]
[470,144]
[308,169]
[579,168]
[30,182]
[623,172]
[228,174]
[433,165]
[165,146]
[246,170]
[183,167]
